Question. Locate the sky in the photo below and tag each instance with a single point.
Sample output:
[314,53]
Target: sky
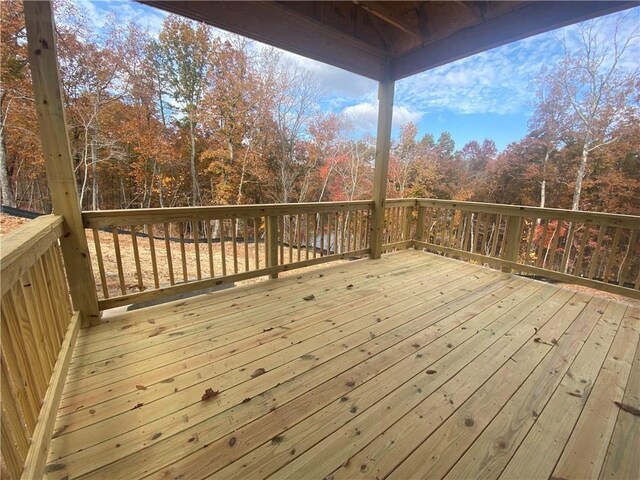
[489,95]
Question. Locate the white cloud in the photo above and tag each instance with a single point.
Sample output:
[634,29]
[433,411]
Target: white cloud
[364,116]
[499,81]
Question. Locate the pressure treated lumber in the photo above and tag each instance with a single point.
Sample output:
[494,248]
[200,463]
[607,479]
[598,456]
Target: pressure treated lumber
[321,406]
[61,180]
[383,145]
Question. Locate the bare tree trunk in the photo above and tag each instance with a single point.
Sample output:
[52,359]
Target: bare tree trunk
[7,192]
[94,175]
[582,170]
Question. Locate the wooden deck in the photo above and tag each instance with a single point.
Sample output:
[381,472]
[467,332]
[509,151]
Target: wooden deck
[411,366]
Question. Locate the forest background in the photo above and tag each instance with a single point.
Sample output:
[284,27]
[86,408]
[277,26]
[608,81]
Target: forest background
[189,117]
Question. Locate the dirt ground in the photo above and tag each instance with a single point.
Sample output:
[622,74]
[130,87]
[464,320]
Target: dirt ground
[10,223]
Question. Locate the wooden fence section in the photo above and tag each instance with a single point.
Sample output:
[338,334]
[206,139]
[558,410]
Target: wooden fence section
[592,249]
[145,254]
[38,329]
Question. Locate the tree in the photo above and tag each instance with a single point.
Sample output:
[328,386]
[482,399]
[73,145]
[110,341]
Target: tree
[403,156]
[598,89]
[184,51]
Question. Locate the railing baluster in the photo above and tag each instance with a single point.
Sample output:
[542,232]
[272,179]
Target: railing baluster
[195,232]
[246,244]
[103,277]
[223,250]
[116,246]
[544,224]
[234,244]
[183,253]
[256,250]
[136,257]
[281,237]
[208,228]
[167,246]
[495,235]
[567,247]
[315,235]
[152,250]
[554,244]
[290,239]
[298,236]
[322,250]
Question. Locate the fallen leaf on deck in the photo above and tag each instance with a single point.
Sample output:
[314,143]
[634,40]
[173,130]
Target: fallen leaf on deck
[309,297]
[431,372]
[141,387]
[628,408]
[210,393]
[267,329]
[321,275]
[575,394]
[258,372]
[248,399]
[138,406]
[350,286]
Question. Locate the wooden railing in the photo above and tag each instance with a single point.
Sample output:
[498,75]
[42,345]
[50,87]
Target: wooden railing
[598,250]
[38,330]
[398,224]
[141,255]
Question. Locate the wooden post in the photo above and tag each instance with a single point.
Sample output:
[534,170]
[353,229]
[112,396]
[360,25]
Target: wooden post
[272,243]
[419,236]
[57,153]
[383,145]
[512,245]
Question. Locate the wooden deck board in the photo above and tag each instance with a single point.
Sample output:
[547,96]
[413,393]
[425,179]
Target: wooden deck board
[410,366]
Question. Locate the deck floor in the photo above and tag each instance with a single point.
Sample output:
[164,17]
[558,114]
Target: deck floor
[412,366]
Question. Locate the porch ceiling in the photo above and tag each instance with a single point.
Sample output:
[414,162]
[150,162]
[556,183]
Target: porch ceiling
[389,39]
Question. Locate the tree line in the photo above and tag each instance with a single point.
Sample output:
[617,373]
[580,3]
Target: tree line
[189,117]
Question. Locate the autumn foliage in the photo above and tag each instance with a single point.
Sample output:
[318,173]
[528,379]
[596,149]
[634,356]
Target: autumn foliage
[192,118]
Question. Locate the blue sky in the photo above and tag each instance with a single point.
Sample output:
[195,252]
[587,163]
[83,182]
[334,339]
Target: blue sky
[488,95]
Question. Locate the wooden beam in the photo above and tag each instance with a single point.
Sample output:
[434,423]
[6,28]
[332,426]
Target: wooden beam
[281,27]
[389,14]
[531,19]
[383,146]
[57,153]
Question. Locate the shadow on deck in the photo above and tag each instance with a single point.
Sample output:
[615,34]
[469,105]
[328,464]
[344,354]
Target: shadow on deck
[411,366]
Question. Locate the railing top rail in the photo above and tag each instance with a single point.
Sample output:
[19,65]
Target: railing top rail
[106,218]
[400,202]
[600,218]
[22,247]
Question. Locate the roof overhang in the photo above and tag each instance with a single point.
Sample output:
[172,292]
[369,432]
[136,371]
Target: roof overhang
[389,39]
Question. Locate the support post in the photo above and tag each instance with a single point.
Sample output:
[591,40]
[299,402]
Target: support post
[272,243]
[57,154]
[383,146]
[512,245]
